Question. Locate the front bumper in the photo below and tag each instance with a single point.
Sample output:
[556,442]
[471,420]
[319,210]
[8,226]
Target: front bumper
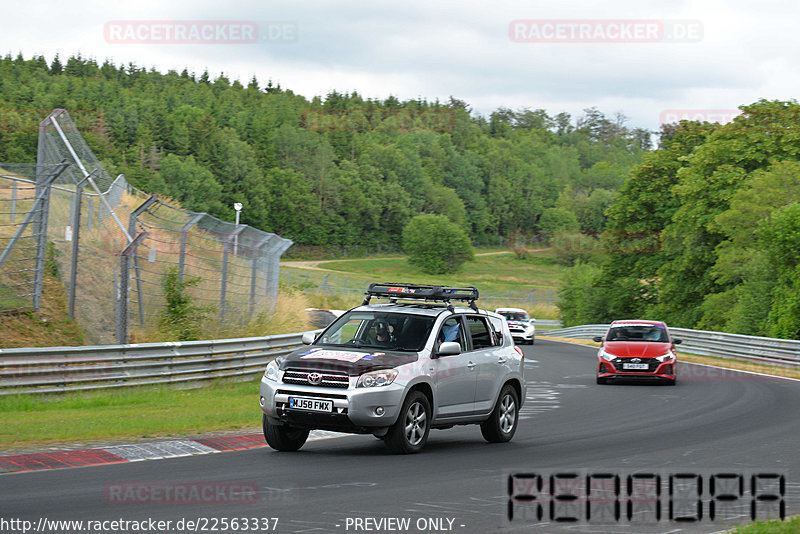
[658,371]
[354,409]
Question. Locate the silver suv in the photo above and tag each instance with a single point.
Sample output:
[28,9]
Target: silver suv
[398,369]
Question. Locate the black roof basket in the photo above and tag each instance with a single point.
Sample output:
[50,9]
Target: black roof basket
[422,292]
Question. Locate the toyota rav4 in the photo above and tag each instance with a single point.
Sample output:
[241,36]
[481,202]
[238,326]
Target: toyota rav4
[397,370]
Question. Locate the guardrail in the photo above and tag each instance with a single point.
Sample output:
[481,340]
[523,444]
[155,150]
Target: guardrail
[773,351]
[58,369]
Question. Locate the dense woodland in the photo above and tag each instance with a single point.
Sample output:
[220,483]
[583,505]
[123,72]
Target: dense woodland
[706,232]
[339,172]
[703,231]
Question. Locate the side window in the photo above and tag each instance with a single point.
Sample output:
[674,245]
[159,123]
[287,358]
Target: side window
[481,334]
[452,331]
[497,326]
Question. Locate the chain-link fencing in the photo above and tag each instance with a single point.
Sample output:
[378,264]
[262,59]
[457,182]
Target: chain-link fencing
[23,233]
[116,247]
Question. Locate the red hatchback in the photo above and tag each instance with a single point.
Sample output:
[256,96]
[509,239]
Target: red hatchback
[637,350]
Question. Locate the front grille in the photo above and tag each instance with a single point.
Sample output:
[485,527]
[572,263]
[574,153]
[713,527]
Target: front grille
[327,379]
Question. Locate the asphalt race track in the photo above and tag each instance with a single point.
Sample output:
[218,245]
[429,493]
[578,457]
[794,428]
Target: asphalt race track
[715,428]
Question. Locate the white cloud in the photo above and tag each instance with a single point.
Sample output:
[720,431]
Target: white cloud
[432,50]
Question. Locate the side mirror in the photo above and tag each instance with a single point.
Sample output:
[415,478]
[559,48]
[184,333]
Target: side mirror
[449,348]
[677,341]
[533,321]
[309,337]
[598,339]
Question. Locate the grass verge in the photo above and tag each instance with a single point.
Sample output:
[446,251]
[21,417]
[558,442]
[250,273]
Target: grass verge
[789,526]
[128,413]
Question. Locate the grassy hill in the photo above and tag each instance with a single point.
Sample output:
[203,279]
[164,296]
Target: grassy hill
[502,278]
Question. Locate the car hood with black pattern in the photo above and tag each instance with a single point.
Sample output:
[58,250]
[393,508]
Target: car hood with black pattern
[352,361]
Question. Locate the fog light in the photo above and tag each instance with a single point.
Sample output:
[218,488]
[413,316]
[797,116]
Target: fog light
[379,410]
[261,401]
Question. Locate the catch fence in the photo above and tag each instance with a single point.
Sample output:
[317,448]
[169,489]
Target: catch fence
[115,247]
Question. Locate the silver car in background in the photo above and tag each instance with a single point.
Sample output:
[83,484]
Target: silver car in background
[397,370]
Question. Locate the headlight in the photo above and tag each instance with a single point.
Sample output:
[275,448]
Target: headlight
[271,372]
[375,379]
[665,358]
[606,356]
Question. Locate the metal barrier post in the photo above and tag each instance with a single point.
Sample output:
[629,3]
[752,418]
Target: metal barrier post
[253,270]
[41,225]
[223,290]
[76,237]
[184,239]
[13,201]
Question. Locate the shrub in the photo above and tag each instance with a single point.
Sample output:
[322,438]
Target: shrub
[436,245]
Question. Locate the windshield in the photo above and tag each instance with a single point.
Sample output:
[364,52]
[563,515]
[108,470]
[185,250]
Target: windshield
[514,316]
[654,333]
[379,330]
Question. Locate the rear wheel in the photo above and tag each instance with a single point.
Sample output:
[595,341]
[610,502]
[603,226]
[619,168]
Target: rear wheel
[283,437]
[410,432]
[502,424]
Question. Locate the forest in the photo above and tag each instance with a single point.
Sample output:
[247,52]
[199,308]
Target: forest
[705,233]
[337,174]
[702,231]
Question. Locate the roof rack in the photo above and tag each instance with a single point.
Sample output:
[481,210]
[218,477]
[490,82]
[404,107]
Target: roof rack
[422,292]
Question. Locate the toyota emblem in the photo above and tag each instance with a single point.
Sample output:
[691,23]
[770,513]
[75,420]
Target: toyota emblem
[314,378]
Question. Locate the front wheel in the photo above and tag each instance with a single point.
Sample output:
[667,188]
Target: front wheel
[502,424]
[410,432]
[283,437]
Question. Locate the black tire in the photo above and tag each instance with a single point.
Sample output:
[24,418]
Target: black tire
[502,424]
[601,381]
[410,432]
[283,437]
[671,382]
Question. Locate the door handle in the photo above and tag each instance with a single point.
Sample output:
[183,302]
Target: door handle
[470,366]
[501,360]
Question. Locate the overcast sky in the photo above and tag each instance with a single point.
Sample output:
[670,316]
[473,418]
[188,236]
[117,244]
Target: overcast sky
[649,60]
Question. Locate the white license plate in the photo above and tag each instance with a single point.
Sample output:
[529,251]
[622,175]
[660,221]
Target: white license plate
[313,405]
[635,366]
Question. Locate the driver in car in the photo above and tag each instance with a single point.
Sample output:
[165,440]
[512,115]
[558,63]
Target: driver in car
[383,333]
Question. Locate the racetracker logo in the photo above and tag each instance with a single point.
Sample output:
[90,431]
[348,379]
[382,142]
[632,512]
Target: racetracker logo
[721,116]
[605,31]
[197,31]
[181,493]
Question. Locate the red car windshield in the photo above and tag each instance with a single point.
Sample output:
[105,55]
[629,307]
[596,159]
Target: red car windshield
[655,333]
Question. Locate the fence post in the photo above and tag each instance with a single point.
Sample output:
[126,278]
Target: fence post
[273,268]
[91,214]
[184,238]
[125,273]
[253,270]
[13,201]
[224,289]
[41,226]
[76,237]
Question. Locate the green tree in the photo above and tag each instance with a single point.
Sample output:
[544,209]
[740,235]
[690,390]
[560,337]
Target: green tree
[436,245]
[181,319]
